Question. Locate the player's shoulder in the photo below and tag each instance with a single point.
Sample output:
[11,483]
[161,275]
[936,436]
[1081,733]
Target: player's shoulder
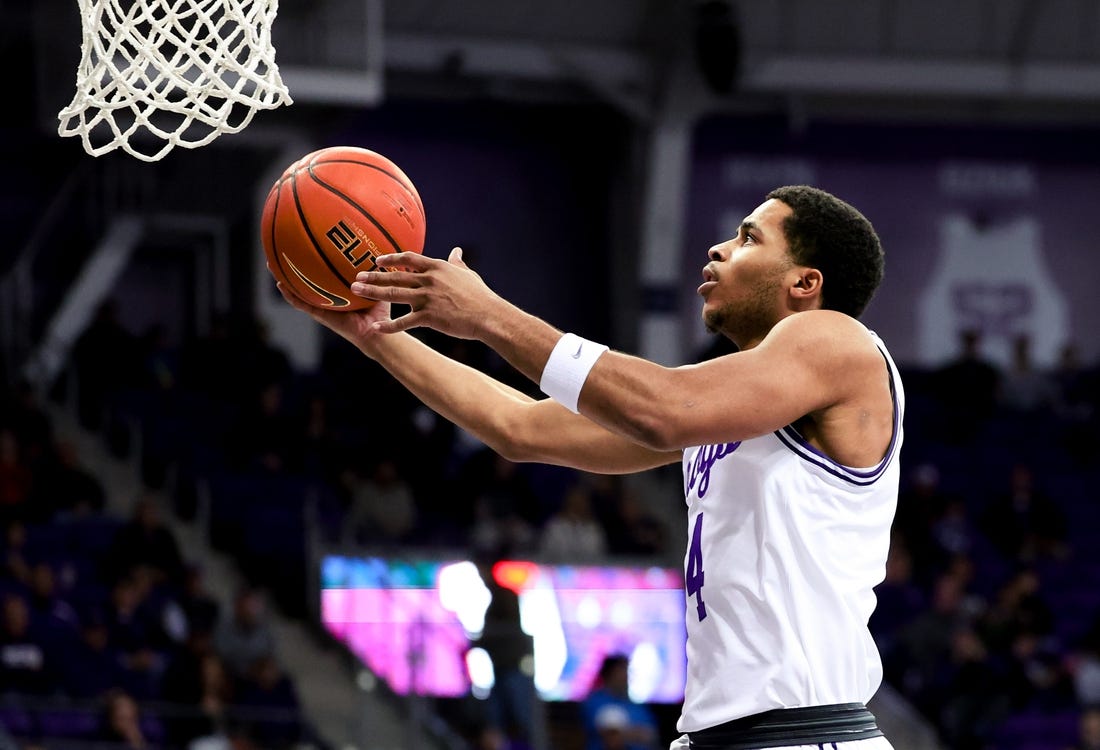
[835,345]
[826,329]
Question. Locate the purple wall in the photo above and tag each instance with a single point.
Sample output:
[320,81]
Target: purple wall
[528,193]
[994,229]
[533,194]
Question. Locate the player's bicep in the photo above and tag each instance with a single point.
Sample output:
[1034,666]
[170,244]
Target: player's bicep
[547,432]
[799,368]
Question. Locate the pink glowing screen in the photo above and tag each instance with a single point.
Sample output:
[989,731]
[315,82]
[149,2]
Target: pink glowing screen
[412,621]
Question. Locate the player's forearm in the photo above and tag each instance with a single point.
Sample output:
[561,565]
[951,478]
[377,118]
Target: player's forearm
[524,340]
[623,394]
[510,422]
[477,403]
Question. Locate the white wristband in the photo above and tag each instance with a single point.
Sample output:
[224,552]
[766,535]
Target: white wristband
[567,369]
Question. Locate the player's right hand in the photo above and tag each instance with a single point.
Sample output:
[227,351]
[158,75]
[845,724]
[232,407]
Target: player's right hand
[357,326]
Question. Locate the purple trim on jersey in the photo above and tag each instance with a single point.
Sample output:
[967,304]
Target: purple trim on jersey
[791,438]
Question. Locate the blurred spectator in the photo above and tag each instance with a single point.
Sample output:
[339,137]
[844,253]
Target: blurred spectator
[611,719]
[382,509]
[1037,678]
[66,486]
[1077,405]
[632,530]
[27,663]
[265,436]
[504,504]
[216,689]
[975,699]
[262,362]
[16,479]
[573,533]
[510,707]
[105,361]
[966,388]
[201,610]
[1018,608]
[7,742]
[1075,385]
[47,605]
[954,533]
[245,635]
[321,454]
[197,678]
[1085,667]
[1025,388]
[94,667]
[899,598]
[270,704]
[127,621]
[234,361]
[160,360]
[133,631]
[122,721]
[14,560]
[934,523]
[203,362]
[145,541]
[234,735]
[32,425]
[612,724]
[926,643]
[1023,522]
[1088,729]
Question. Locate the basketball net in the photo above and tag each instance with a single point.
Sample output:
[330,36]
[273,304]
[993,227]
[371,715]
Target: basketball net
[181,71]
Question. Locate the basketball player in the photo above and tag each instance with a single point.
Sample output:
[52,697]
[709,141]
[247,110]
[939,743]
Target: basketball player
[789,450]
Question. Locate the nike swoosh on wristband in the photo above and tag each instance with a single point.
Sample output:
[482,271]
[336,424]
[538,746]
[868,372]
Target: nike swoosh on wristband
[334,300]
[577,355]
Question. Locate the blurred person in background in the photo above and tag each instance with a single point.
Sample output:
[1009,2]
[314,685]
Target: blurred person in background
[611,718]
[244,635]
[122,721]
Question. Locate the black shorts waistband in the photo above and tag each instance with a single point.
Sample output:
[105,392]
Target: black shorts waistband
[782,727]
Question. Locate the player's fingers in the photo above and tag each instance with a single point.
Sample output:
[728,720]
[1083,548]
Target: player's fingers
[292,297]
[413,261]
[455,258]
[396,294]
[389,278]
[398,324]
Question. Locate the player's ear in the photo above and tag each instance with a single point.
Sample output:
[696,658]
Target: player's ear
[808,284]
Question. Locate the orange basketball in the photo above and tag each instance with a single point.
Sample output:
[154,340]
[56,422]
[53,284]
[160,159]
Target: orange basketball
[331,214]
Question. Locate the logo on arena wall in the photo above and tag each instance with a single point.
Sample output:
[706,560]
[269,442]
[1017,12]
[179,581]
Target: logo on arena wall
[991,278]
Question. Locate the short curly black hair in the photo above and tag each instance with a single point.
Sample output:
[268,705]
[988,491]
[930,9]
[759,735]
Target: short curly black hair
[826,233]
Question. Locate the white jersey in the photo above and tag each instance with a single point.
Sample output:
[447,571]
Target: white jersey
[785,548]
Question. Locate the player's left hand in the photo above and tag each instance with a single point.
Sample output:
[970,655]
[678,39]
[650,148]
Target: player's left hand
[445,295]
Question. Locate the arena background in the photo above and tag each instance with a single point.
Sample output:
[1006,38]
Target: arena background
[585,155]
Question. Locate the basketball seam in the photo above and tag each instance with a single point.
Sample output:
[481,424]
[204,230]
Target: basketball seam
[309,233]
[276,255]
[277,190]
[351,201]
[403,181]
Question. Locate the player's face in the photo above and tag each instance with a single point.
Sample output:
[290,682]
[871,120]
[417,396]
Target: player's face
[745,282]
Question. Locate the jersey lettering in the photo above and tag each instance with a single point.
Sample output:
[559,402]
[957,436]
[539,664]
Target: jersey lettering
[699,469]
[693,576]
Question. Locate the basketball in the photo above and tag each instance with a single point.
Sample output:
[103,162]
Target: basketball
[330,215]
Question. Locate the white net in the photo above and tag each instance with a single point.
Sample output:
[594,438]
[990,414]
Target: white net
[156,74]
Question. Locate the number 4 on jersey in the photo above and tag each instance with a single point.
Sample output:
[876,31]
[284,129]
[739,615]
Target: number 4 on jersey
[693,577]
